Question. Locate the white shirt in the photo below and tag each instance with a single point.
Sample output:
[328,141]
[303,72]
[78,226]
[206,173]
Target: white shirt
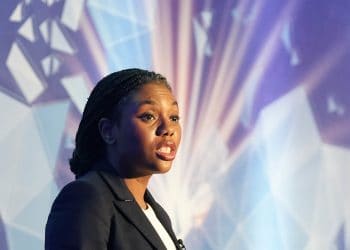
[163,234]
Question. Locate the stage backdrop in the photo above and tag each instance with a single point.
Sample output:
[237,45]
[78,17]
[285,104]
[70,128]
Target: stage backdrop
[264,92]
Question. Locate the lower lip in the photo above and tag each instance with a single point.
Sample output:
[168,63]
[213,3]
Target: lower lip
[166,156]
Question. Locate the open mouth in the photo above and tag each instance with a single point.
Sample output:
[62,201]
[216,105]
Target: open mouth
[166,151]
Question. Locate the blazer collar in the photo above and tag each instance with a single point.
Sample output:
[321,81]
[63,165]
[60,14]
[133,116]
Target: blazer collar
[126,204]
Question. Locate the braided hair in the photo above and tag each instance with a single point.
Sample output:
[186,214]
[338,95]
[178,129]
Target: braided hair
[104,99]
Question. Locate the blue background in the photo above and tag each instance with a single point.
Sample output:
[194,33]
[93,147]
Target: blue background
[263,88]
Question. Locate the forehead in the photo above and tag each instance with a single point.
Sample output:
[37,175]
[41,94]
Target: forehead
[156,92]
[149,94]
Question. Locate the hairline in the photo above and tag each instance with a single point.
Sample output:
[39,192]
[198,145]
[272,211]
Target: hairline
[115,116]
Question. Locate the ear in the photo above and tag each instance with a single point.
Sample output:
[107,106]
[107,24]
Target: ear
[107,130]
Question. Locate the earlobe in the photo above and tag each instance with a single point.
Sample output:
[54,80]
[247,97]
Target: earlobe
[107,131]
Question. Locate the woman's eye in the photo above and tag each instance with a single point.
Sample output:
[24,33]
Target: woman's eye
[175,118]
[147,117]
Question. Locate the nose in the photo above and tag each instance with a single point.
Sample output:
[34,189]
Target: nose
[165,129]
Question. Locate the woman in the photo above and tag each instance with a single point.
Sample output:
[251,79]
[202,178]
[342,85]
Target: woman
[129,131]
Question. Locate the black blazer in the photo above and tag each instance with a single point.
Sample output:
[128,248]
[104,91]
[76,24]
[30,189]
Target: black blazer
[98,212]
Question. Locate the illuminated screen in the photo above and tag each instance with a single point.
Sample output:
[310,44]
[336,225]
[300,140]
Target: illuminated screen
[264,92]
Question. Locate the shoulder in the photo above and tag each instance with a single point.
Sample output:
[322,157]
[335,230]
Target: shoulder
[88,187]
[80,215]
[91,183]
[86,195]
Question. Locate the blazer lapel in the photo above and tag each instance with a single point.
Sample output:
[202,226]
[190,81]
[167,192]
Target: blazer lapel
[126,204]
[163,217]
[133,212]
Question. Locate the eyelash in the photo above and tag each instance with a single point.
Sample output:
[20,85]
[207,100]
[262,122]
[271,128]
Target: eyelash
[175,118]
[146,117]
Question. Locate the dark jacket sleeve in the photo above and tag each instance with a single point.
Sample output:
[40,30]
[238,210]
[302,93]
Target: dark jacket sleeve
[79,219]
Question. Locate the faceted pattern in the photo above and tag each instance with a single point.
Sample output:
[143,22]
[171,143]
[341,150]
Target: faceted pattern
[26,78]
[263,92]
[77,90]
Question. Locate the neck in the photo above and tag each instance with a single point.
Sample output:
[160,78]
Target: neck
[137,186]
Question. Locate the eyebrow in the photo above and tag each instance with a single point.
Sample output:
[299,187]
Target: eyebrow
[151,102]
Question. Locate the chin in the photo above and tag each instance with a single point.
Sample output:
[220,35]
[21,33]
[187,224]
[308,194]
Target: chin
[163,168]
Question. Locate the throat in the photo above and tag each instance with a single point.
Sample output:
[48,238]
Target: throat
[137,187]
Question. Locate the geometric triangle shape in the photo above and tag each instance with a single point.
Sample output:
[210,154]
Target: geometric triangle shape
[219,226]
[17,14]
[44,30]
[299,192]
[34,215]
[27,31]
[46,65]
[71,13]
[26,175]
[292,233]
[248,182]
[77,90]
[261,226]
[289,133]
[19,238]
[49,2]
[127,28]
[206,18]
[123,9]
[26,77]
[9,151]
[295,60]
[51,120]
[201,37]
[130,39]
[58,39]
[50,65]
[55,64]
[286,36]
[135,50]
[331,104]
[237,241]
[208,50]
[14,109]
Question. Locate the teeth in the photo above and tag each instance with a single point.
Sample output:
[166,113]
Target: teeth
[166,150]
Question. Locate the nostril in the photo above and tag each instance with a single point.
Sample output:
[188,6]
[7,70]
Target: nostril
[165,132]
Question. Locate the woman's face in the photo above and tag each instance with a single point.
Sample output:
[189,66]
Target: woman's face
[148,132]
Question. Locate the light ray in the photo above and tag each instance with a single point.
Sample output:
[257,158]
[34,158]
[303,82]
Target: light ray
[313,78]
[212,110]
[254,75]
[112,11]
[183,53]
[226,74]
[133,36]
[221,61]
[194,89]
[336,132]
[162,43]
[141,58]
[95,47]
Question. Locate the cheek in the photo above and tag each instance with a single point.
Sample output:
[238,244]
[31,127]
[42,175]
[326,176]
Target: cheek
[179,134]
[144,137]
